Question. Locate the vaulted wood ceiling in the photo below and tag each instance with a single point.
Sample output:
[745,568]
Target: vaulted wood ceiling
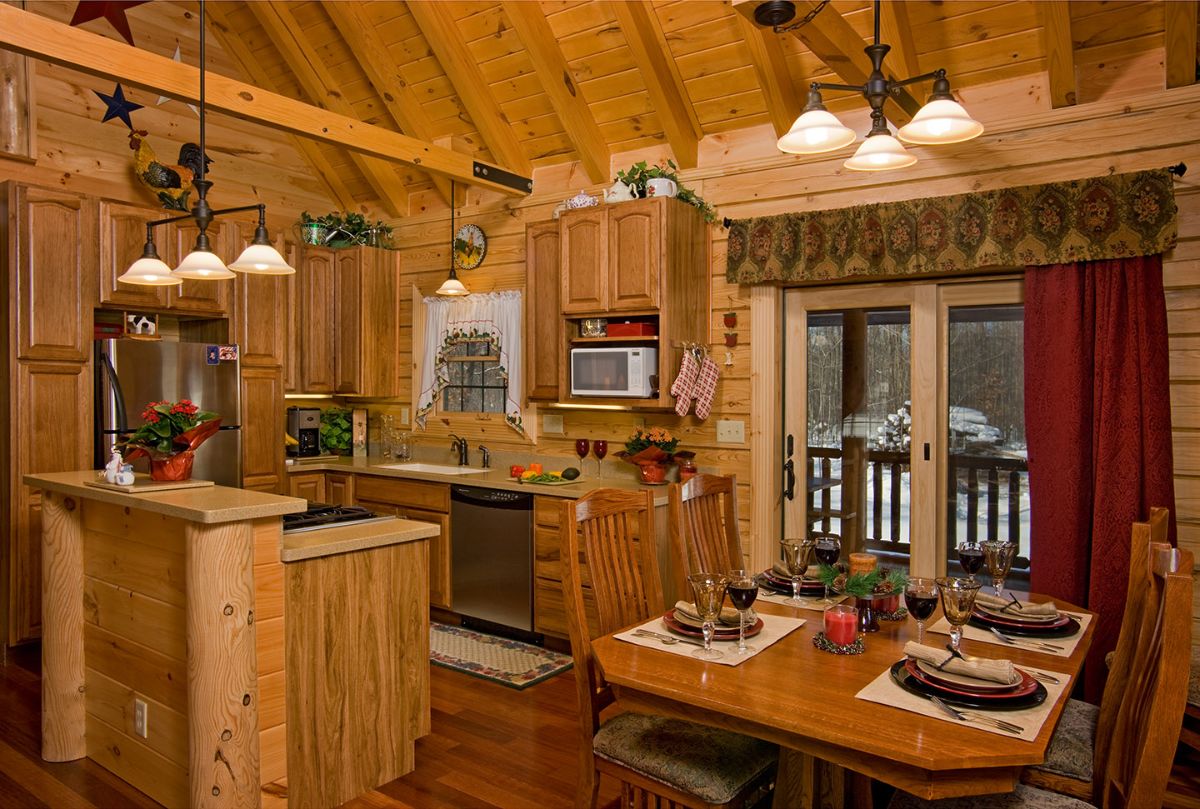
[527,84]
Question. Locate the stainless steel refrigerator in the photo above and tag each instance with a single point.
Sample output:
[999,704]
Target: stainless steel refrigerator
[132,373]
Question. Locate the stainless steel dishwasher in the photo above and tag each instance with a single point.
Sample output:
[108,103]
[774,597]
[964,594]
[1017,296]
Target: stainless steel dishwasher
[491,541]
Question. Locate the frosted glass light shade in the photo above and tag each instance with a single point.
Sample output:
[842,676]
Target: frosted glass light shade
[150,272]
[201,265]
[452,286]
[879,153]
[942,120]
[814,132]
[262,259]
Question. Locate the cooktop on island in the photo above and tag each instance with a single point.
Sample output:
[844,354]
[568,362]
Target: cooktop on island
[324,515]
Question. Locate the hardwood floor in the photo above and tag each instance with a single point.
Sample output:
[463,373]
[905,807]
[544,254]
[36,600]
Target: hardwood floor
[491,747]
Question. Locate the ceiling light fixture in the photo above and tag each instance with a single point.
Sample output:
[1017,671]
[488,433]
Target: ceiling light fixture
[942,119]
[260,258]
[452,286]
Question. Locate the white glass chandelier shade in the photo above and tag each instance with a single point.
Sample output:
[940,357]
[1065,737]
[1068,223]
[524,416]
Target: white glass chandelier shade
[816,131]
[262,259]
[201,265]
[942,120]
[452,286]
[880,152]
[150,271]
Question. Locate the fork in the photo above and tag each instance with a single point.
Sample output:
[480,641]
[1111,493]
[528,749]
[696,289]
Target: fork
[970,716]
[666,640]
[1031,644]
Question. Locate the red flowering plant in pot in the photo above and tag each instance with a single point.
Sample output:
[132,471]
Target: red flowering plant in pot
[651,450]
[169,437]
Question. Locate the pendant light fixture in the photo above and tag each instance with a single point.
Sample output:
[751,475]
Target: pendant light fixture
[452,286]
[201,263]
[941,120]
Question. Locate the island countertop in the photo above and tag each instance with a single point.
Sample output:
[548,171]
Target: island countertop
[206,504]
[336,539]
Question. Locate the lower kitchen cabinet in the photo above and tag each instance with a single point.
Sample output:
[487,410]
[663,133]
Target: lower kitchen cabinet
[415,500]
[339,488]
[307,485]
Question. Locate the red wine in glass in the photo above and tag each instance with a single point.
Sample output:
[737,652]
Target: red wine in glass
[742,593]
[970,556]
[581,448]
[920,605]
[828,551]
[599,449]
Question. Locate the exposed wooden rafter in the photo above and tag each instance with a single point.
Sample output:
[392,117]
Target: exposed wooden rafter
[895,30]
[1179,41]
[55,42]
[652,55]
[321,88]
[446,42]
[565,96]
[237,50]
[372,56]
[1060,51]
[784,101]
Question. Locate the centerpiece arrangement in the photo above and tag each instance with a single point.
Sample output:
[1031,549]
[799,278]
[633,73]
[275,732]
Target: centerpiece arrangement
[876,593]
[169,437]
[651,450]
[344,229]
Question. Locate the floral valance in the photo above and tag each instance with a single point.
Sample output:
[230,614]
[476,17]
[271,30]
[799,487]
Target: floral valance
[1098,218]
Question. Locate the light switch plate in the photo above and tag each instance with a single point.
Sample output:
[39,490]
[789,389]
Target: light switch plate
[552,423]
[140,717]
[731,432]
[404,415]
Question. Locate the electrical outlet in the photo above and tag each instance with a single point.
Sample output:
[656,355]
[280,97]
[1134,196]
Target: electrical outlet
[552,423]
[140,717]
[404,415]
[731,432]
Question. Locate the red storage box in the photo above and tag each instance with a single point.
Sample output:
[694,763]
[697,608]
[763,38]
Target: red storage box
[631,329]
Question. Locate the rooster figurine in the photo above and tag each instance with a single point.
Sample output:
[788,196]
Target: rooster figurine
[172,184]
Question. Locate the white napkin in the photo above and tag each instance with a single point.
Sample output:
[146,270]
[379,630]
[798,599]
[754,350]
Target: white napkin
[1043,610]
[687,610]
[999,671]
[780,570]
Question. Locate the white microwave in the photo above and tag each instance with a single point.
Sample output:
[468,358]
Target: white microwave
[628,372]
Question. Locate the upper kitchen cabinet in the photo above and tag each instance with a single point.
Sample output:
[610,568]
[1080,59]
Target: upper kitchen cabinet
[122,240]
[200,297]
[261,311]
[52,256]
[635,254]
[314,320]
[543,326]
[348,293]
[583,235]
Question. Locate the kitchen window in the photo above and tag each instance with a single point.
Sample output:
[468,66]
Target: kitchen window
[476,382]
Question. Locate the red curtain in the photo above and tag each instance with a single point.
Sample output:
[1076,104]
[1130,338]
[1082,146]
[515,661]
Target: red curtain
[1098,421]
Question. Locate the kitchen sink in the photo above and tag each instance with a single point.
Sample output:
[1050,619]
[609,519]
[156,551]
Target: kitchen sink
[434,468]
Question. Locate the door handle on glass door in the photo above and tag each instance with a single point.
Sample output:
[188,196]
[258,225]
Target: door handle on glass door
[789,488]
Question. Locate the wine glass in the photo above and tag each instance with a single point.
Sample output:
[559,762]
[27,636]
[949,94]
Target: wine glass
[708,594]
[797,553]
[921,597]
[581,449]
[970,556]
[828,548]
[742,590]
[999,556]
[958,599]
[599,449]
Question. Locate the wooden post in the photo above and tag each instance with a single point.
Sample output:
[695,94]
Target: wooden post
[17,127]
[63,707]
[222,669]
[854,445]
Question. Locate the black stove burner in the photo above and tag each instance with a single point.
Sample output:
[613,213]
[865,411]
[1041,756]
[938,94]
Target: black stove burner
[324,515]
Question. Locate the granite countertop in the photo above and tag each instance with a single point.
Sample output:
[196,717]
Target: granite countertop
[303,545]
[495,478]
[207,504]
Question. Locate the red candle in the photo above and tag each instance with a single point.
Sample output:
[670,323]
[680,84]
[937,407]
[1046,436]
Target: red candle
[889,603]
[841,624]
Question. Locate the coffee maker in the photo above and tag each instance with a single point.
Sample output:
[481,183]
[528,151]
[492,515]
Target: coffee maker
[304,425]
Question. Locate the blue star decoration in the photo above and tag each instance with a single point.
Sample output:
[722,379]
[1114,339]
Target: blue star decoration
[118,106]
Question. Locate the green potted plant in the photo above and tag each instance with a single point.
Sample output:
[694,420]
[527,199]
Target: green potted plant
[344,229]
[637,175]
[336,430]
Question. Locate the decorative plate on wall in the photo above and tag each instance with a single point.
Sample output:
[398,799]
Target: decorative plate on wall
[470,246]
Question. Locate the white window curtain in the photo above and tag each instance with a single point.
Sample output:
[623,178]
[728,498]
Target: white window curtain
[447,320]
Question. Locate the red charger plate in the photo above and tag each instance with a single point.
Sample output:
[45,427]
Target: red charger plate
[721,633]
[1022,689]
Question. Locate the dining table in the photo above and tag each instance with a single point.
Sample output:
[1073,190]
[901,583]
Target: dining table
[804,699]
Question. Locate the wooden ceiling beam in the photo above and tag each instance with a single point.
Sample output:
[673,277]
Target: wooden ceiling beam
[319,85]
[660,72]
[784,101]
[446,42]
[1180,42]
[896,30]
[372,56]
[551,68]
[60,44]
[220,28]
[1060,51]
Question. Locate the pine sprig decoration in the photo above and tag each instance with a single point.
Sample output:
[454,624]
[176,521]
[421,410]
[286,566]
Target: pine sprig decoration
[896,578]
[858,585]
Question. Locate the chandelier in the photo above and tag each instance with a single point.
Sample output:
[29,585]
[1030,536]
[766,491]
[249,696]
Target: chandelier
[260,258]
[942,119]
[452,286]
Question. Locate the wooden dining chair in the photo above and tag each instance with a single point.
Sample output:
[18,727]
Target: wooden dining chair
[608,553]
[702,514]
[1147,723]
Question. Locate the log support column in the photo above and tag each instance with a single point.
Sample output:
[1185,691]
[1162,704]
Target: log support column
[63,692]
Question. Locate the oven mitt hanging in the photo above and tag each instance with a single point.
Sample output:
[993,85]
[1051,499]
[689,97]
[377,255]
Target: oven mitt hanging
[706,387]
[685,382]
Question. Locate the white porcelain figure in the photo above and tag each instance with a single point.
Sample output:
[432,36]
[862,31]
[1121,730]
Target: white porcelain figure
[619,193]
[113,467]
[582,200]
[125,476]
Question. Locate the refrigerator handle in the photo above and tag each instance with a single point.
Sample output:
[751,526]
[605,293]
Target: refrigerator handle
[118,395]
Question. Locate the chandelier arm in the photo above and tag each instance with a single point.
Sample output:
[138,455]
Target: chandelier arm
[260,207]
[894,84]
[823,85]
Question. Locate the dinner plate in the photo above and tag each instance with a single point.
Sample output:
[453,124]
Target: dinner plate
[1011,615]
[902,677]
[1012,620]
[722,633]
[1067,629]
[971,687]
[951,679]
[778,584]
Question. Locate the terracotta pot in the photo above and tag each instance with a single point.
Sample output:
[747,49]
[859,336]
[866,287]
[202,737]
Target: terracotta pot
[177,467]
[653,472]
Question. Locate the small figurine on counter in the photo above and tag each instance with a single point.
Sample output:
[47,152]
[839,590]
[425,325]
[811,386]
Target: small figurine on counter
[125,477]
[113,467]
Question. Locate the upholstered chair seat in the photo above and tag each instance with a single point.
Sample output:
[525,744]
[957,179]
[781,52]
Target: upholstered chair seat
[1073,745]
[1023,797]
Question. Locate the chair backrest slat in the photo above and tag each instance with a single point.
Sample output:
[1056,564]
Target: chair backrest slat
[704,526]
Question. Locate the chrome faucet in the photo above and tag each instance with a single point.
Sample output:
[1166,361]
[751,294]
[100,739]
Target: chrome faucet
[460,446]
[487,456]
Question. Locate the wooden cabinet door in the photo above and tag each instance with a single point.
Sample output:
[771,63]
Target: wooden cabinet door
[51,433]
[122,239]
[439,555]
[262,428]
[339,487]
[260,311]
[307,485]
[543,322]
[634,255]
[584,260]
[53,250]
[200,297]
[316,320]
[291,345]
[347,295]
[379,325]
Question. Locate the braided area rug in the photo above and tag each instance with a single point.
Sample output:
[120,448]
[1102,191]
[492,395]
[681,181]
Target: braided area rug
[508,662]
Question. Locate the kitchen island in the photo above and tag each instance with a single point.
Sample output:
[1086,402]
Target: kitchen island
[162,611]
